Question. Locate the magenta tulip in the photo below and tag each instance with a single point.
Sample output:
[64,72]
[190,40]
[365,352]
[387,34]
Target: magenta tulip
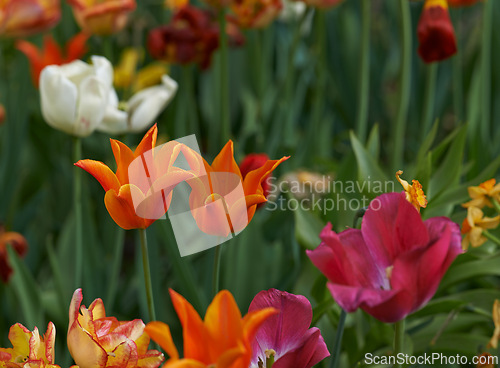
[287,333]
[393,265]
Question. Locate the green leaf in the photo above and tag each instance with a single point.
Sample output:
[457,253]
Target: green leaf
[368,168]
[307,228]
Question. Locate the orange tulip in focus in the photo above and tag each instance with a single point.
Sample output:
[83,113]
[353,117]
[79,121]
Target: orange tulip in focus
[21,18]
[223,339]
[435,32]
[102,17]
[215,201]
[97,341]
[256,13]
[18,243]
[51,53]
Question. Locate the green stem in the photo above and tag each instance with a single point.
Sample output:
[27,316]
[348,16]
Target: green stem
[486,69]
[147,274]
[77,198]
[364,71]
[338,340]
[399,338]
[458,88]
[430,95]
[115,268]
[224,91]
[405,85]
[495,204]
[216,271]
[491,237]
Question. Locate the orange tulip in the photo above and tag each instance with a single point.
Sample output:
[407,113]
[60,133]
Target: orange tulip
[222,340]
[223,176]
[102,17]
[256,13]
[97,341]
[21,18]
[51,53]
[20,246]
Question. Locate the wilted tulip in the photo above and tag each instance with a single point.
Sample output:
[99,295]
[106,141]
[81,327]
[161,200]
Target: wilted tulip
[75,96]
[102,17]
[21,18]
[97,341]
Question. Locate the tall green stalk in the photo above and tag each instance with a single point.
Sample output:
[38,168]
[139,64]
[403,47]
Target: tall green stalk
[430,96]
[147,274]
[399,338]
[486,70]
[338,340]
[405,85]
[216,271]
[77,203]
[458,87]
[224,80]
[364,71]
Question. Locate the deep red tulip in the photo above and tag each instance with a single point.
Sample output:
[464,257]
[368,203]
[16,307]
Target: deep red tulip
[252,162]
[393,265]
[435,32]
[18,243]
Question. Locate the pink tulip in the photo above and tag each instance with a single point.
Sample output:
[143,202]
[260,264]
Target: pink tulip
[287,333]
[393,265]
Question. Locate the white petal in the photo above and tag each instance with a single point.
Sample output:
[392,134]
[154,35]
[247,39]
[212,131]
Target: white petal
[58,99]
[92,106]
[103,69]
[76,71]
[115,121]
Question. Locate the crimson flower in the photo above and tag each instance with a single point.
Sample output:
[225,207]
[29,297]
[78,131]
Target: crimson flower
[287,335]
[20,246]
[435,32]
[393,265]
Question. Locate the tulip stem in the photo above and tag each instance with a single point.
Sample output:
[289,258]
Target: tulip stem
[224,88]
[430,94]
[147,274]
[491,237]
[399,338]
[338,340]
[364,71]
[405,85]
[216,272]
[458,84]
[486,70]
[496,204]
[77,197]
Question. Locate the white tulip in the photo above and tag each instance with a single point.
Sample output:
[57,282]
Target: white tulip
[74,96]
[141,110]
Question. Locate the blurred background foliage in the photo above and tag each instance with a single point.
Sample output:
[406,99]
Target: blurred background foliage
[294,90]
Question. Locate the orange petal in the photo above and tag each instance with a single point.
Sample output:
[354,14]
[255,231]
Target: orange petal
[224,162]
[97,309]
[76,47]
[151,359]
[223,322]
[74,306]
[253,180]
[253,320]
[86,352]
[160,333]
[121,208]
[195,335]
[123,157]
[101,172]
[148,142]
[51,51]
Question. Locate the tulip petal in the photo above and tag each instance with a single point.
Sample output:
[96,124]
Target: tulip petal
[121,207]
[101,172]
[131,329]
[160,333]
[86,352]
[93,95]
[74,307]
[312,351]
[97,309]
[253,180]
[58,99]
[124,356]
[151,359]
[76,46]
[224,162]
[148,142]
[123,157]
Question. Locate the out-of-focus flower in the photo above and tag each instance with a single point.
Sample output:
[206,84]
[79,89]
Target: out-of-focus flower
[474,225]
[414,193]
[461,2]
[190,37]
[223,339]
[21,18]
[2,114]
[74,96]
[485,360]
[287,334]
[138,113]
[256,13]
[102,17]
[393,265]
[28,349]
[97,341]
[222,177]
[175,4]
[435,32]
[322,4]
[51,53]
[292,10]
[496,320]
[483,194]
[18,244]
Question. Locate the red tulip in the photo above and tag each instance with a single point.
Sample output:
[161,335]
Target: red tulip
[435,32]
[20,246]
[393,265]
